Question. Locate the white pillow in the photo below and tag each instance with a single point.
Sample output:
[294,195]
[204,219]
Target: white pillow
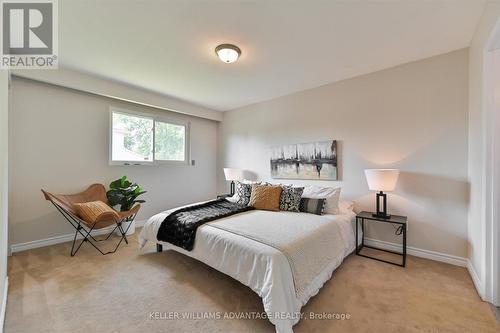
[251,182]
[346,206]
[331,195]
[233,199]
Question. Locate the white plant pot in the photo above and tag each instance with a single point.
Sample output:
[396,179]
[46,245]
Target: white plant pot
[131,230]
[125,225]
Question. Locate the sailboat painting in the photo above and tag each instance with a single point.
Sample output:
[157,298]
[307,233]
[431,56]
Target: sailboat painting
[316,160]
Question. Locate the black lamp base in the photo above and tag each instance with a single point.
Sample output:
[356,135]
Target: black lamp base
[232,188]
[382,206]
[381,216]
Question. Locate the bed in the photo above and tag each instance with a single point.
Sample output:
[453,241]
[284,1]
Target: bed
[265,268]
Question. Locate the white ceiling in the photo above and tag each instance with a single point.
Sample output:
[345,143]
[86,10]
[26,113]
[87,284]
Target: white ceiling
[288,46]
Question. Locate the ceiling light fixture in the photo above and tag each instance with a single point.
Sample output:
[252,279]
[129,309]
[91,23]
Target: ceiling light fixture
[228,53]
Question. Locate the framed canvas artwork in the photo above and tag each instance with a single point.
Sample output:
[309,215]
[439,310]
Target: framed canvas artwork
[315,160]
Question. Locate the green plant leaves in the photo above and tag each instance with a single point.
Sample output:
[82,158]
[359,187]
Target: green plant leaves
[124,193]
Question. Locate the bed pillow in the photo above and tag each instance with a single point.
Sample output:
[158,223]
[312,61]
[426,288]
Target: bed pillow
[290,198]
[236,197]
[331,194]
[242,193]
[265,197]
[346,206]
[312,206]
[90,211]
[233,198]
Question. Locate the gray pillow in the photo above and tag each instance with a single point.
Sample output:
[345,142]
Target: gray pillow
[313,206]
[290,198]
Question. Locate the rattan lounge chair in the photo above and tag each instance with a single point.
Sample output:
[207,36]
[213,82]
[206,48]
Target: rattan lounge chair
[96,192]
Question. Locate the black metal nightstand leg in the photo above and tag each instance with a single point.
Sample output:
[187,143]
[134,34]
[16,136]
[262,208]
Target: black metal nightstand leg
[404,245]
[362,232]
[356,248]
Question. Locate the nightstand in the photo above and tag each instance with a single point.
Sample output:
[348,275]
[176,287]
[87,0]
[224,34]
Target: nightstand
[224,196]
[400,221]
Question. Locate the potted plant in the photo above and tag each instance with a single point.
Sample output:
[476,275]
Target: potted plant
[124,193]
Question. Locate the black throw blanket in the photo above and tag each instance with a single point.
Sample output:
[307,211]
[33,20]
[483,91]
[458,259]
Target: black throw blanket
[179,227]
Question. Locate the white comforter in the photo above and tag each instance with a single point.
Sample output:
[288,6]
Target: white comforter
[263,268]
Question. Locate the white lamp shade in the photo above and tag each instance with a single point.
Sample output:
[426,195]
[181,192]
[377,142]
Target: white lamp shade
[232,174]
[382,179]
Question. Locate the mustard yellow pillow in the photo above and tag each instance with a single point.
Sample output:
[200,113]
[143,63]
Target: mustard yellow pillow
[90,211]
[265,197]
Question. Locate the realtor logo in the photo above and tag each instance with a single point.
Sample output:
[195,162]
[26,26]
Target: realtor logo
[29,34]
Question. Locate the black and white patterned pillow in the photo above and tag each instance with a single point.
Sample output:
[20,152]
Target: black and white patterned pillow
[290,198]
[243,192]
[313,206]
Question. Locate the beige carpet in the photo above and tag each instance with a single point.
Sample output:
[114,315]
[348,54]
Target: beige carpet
[52,292]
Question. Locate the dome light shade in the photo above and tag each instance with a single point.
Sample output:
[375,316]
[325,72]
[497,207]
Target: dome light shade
[228,53]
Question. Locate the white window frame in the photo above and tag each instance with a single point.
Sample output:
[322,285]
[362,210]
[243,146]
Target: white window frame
[155,118]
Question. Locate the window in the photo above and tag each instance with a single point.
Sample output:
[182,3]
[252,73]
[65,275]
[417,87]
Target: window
[132,138]
[142,139]
[170,142]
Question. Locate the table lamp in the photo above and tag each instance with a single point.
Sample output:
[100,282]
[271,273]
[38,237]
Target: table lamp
[232,175]
[382,180]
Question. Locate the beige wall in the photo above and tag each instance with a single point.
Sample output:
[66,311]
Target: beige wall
[59,141]
[412,117]
[4,130]
[104,87]
[477,130]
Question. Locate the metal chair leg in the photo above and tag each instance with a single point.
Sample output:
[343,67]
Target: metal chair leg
[87,236]
[73,245]
[85,239]
[124,234]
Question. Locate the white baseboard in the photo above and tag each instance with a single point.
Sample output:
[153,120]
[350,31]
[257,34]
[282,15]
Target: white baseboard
[415,251]
[475,278]
[61,239]
[4,303]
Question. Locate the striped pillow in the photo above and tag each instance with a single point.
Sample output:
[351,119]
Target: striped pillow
[90,211]
[313,206]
